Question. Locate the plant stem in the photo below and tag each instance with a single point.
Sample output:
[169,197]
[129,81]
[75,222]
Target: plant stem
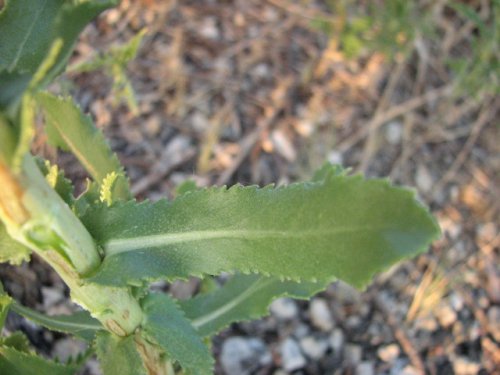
[36,216]
[153,357]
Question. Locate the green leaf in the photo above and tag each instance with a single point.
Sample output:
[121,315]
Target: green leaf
[185,187]
[15,362]
[115,64]
[18,341]
[327,171]
[118,355]
[8,140]
[26,33]
[344,227]
[57,181]
[68,128]
[29,28]
[88,198]
[243,297]
[10,250]
[166,325]
[5,304]
[108,186]
[79,324]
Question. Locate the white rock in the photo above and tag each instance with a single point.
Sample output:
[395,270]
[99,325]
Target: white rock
[208,28]
[313,347]
[337,340]
[261,70]
[353,354]
[51,296]
[284,308]
[423,178]
[365,368]
[456,301]
[283,145]
[291,356]
[321,316]
[394,132]
[301,330]
[388,353]
[241,356]
[335,157]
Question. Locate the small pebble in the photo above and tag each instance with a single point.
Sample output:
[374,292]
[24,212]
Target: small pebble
[397,367]
[283,145]
[353,354]
[456,301]
[301,331]
[337,340]
[394,132]
[353,322]
[388,353]
[241,355]
[291,356]
[208,28]
[424,179]
[284,308]
[51,296]
[335,157]
[365,368]
[314,347]
[321,316]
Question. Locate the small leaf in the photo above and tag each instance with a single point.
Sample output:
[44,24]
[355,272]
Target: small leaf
[90,197]
[79,324]
[108,187]
[166,325]
[10,250]
[68,128]
[185,187]
[28,30]
[243,297]
[118,355]
[8,140]
[57,181]
[14,362]
[5,304]
[18,341]
[115,64]
[25,33]
[343,227]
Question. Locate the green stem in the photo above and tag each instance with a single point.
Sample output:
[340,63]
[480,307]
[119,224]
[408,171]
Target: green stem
[37,217]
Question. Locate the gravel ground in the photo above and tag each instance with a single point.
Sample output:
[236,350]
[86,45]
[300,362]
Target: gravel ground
[249,92]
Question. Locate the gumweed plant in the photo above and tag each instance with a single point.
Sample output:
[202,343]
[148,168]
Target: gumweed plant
[108,248]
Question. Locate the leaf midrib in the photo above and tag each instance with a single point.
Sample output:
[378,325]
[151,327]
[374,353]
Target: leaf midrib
[255,287]
[122,245]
